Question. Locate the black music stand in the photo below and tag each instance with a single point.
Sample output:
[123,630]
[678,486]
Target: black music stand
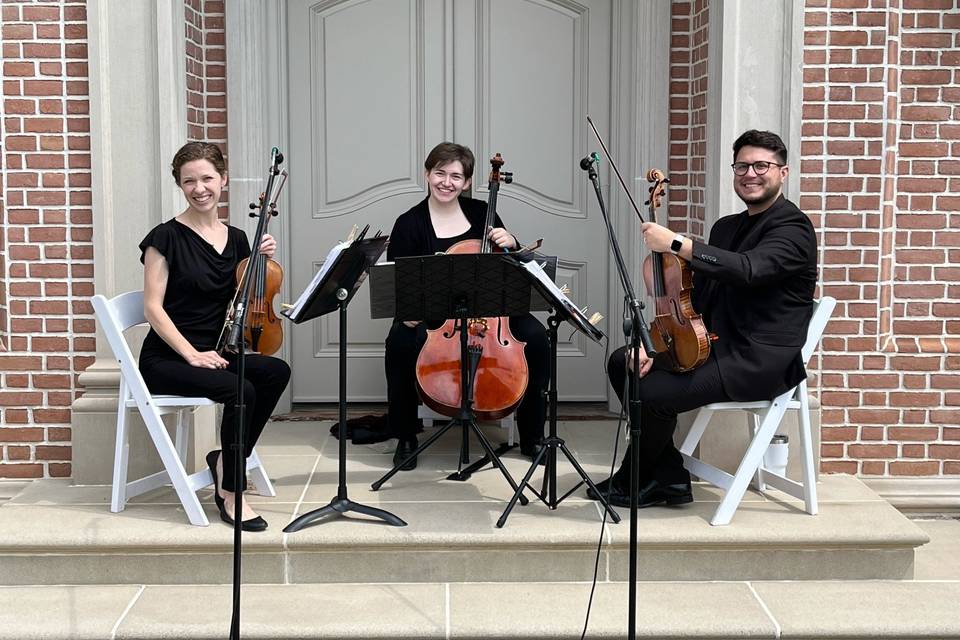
[562,310]
[462,286]
[334,291]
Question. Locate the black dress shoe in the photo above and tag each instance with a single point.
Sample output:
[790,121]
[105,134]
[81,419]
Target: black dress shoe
[653,493]
[405,447]
[603,486]
[212,463]
[253,524]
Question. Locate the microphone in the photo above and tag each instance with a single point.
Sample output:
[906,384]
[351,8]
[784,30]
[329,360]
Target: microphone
[590,160]
[276,158]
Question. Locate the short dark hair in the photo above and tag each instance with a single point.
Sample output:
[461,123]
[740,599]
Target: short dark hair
[447,152]
[198,151]
[763,139]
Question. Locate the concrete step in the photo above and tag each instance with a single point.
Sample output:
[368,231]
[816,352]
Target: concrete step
[52,533]
[556,610]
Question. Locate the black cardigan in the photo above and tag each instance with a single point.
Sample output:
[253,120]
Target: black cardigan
[413,234]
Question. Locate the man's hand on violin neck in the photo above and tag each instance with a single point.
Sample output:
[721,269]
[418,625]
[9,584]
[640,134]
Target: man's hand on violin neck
[657,237]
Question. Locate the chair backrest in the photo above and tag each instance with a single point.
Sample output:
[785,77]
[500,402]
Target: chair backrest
[116,315]
[822,310]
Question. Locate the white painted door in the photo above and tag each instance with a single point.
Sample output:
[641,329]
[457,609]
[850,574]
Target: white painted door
[375,84]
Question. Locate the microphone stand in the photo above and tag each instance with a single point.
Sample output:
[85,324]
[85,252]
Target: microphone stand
[235,344]
[635,329]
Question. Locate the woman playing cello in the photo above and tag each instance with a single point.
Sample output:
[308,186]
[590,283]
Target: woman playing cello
[439,221]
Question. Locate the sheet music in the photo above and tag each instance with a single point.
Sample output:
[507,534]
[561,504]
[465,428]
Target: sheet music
[328,262]
[537,271]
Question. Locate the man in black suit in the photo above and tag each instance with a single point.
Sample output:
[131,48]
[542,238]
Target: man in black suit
[753,283]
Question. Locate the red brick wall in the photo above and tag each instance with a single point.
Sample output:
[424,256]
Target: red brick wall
[880,174]
[688,116]
[47,233]
[206,77]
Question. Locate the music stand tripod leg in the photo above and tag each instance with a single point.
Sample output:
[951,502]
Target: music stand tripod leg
[342,504]
[548,491]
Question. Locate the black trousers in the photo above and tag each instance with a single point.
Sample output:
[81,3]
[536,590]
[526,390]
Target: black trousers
[663,395]
[403,346]
[265,378]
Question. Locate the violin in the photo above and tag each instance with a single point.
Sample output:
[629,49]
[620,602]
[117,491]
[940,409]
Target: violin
[262,329]
[501,376]
[679,334]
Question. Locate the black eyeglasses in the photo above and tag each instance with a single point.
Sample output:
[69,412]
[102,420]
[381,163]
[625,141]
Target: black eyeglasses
[760,167]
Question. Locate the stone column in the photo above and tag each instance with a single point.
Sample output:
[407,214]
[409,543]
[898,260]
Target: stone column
[256,112]
[754,81]
[137,121]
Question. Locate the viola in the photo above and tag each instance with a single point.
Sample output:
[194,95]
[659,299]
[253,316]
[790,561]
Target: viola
[501,376]
[679,334]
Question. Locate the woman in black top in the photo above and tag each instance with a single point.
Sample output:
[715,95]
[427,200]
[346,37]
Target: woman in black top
[439,221]
[188,282]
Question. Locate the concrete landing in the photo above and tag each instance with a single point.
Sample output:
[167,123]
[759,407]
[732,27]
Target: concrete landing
[52,533]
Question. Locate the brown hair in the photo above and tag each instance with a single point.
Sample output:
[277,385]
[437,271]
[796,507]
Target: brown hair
[447,152]
[198,151]
[763,139]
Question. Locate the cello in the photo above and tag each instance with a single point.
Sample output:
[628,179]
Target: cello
[501,376]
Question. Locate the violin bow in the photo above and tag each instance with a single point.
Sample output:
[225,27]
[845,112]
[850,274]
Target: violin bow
[623,184]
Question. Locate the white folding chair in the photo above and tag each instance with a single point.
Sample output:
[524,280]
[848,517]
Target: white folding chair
[116,315]
[764,418]
[428,415]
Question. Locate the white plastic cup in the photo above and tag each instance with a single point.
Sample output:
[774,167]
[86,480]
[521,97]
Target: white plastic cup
[777,455]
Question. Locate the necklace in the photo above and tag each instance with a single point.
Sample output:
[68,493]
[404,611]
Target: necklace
[199,232]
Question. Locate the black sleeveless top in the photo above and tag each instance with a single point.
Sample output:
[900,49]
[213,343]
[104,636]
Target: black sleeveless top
[200,286]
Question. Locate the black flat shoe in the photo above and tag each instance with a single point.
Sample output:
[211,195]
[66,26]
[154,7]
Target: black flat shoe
[253,524]
[404,449]
[212,463]
[652,494]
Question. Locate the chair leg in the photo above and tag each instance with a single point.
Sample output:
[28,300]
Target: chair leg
[806,444]
[510,424]
[752,459]
[121,455]
[174,467]
[259,476]
[696,431]
[753,426]
[181,434]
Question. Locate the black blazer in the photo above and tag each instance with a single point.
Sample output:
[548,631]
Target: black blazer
[758,299]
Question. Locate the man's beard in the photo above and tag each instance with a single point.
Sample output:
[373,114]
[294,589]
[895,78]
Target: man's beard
[767,194]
